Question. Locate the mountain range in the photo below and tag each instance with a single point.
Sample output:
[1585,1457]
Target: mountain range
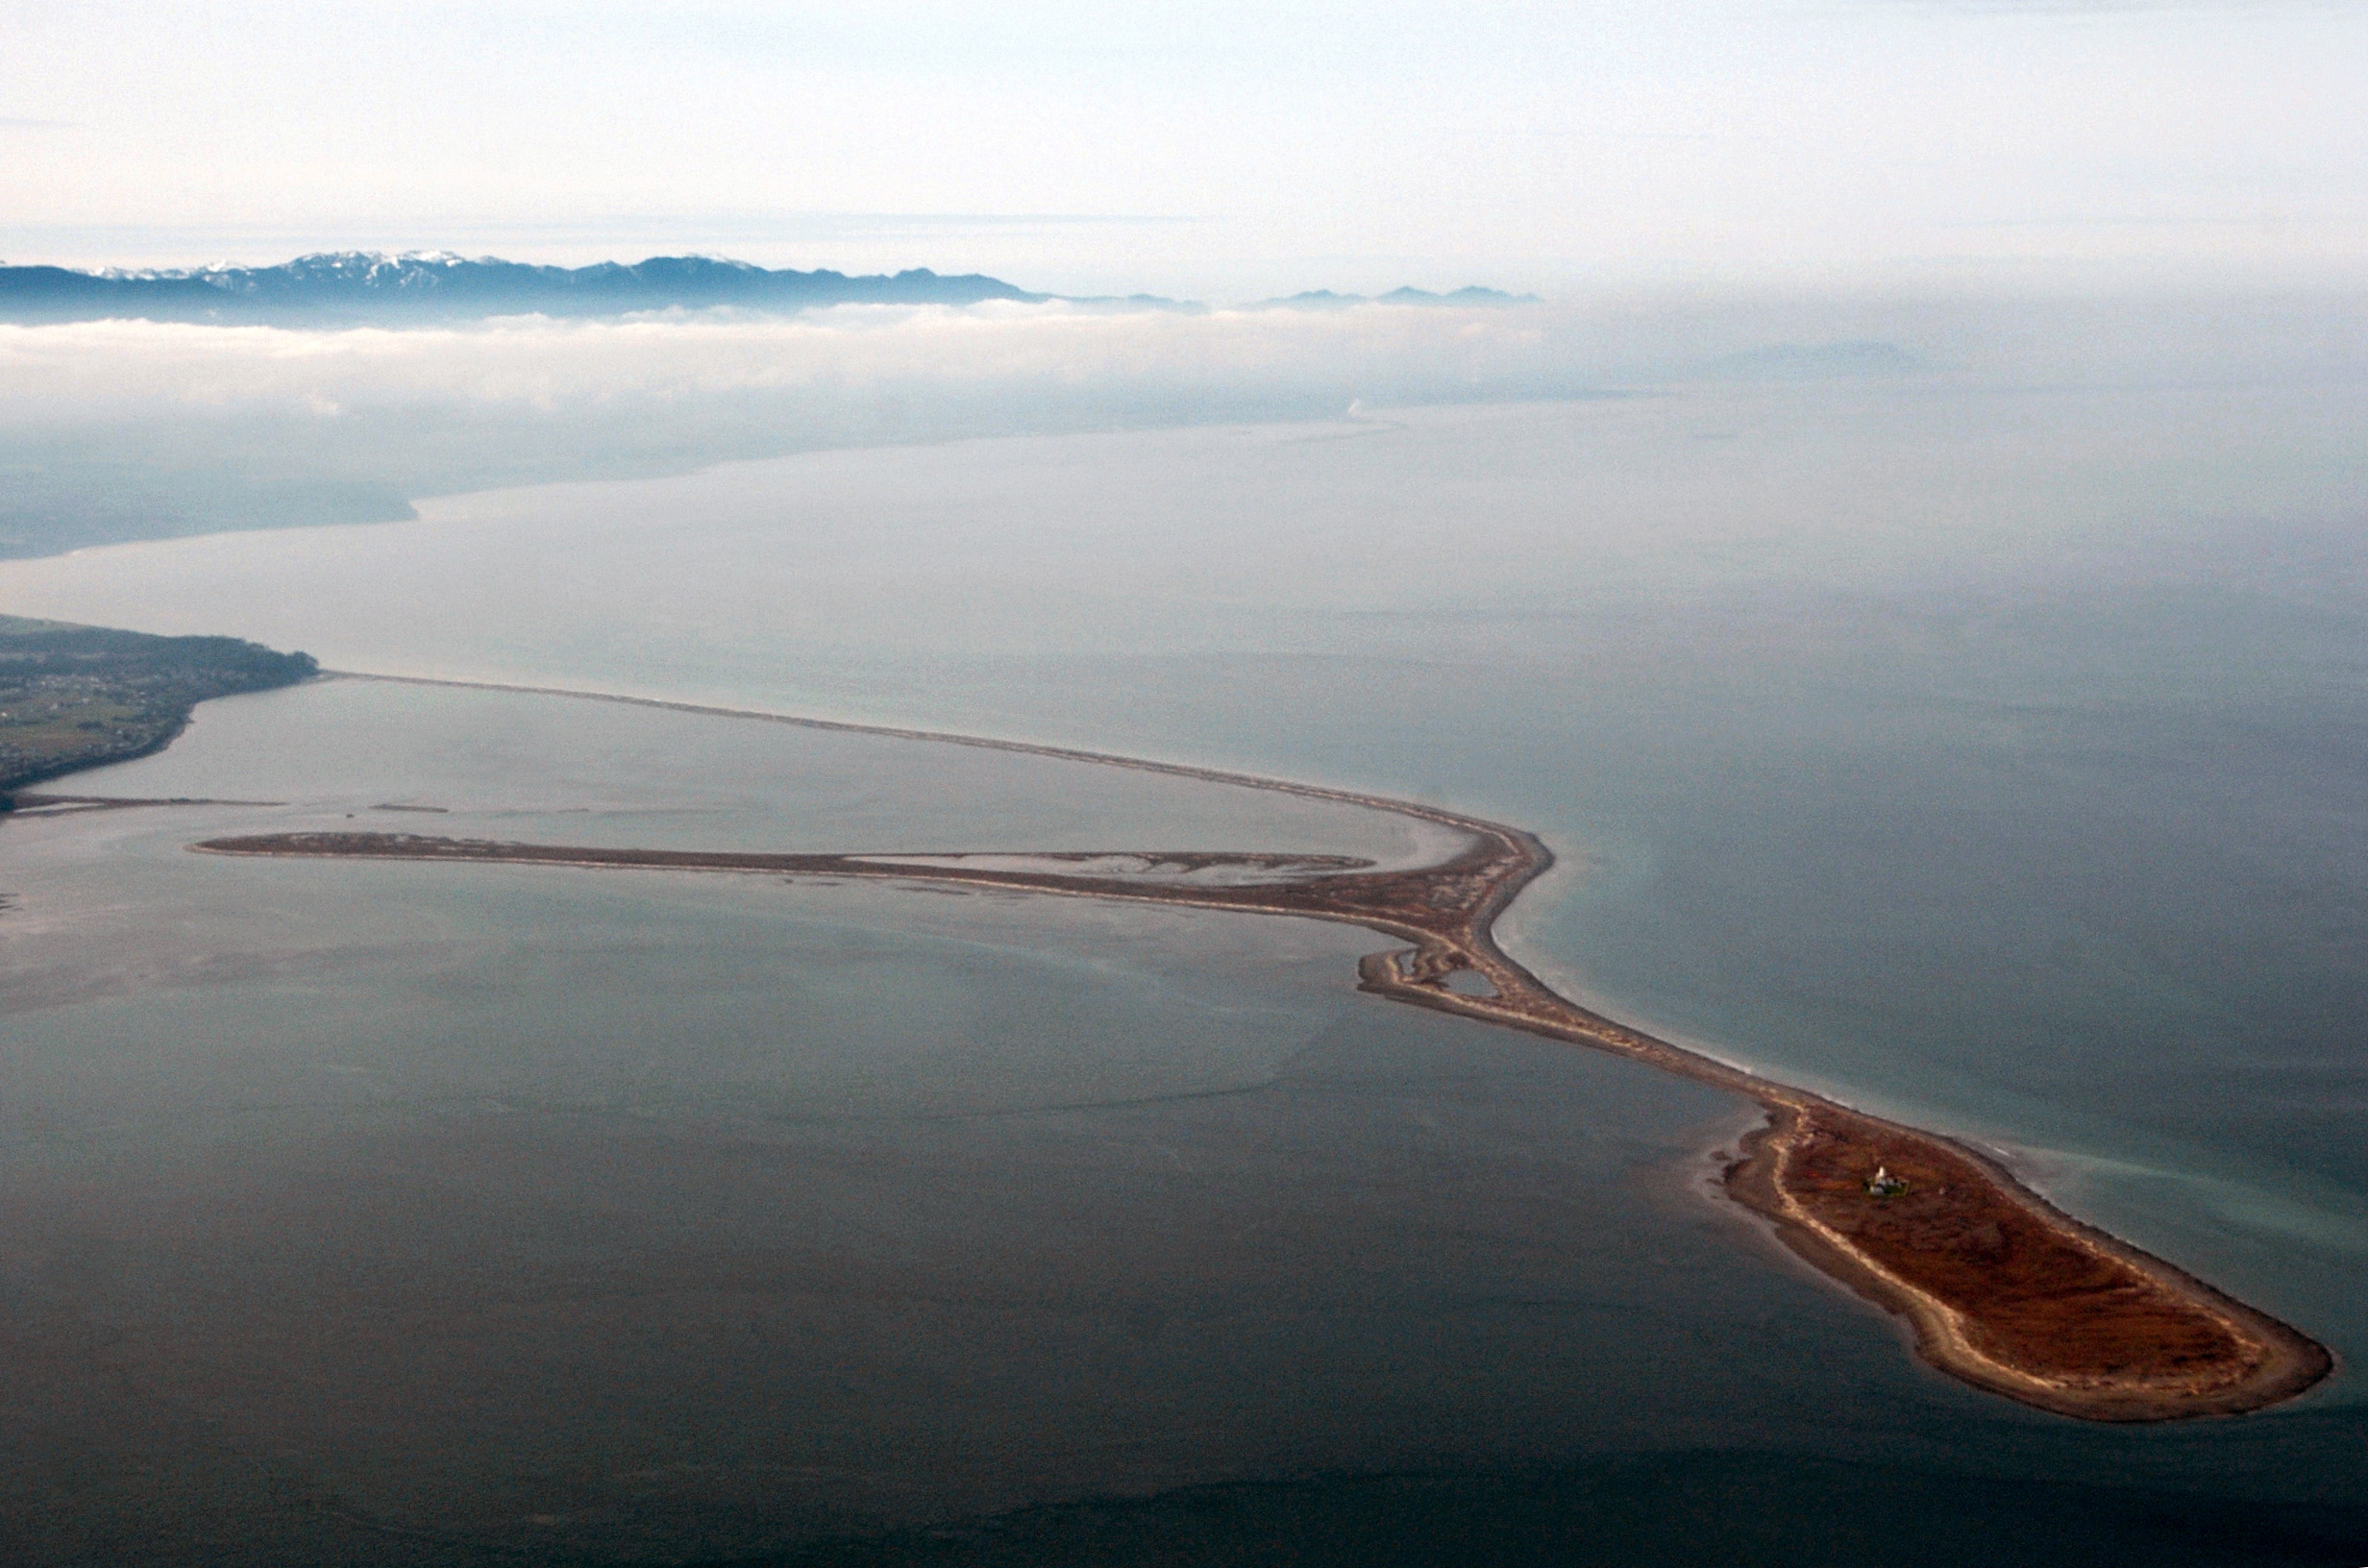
[362,285]
[351,287]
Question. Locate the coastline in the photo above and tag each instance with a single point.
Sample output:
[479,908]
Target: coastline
[73,698]
[1947,1336]
[2001,1289]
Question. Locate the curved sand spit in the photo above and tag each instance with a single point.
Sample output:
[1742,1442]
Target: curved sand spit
[2002,1289]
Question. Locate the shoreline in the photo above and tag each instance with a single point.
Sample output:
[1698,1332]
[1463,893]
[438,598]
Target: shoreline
[2001,1289]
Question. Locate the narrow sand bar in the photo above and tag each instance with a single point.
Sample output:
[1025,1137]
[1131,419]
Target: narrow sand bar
[2002,1289]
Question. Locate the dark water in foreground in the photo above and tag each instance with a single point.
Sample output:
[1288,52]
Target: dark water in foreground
[364,1213]
[1718,1505]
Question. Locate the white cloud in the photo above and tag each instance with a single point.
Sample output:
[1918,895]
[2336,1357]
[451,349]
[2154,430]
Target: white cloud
[530,366]
[993,367]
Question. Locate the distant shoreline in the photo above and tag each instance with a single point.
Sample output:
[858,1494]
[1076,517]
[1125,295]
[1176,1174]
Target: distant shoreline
[2002,1290]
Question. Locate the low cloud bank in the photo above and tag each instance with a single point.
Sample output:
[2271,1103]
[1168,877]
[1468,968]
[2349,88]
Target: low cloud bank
[535,366]
[122,429]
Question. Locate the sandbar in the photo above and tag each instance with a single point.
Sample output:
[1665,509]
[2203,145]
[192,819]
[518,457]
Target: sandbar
[2001,1289]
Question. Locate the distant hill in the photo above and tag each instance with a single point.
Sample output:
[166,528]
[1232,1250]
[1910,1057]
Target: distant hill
[1324,299]
[351,287]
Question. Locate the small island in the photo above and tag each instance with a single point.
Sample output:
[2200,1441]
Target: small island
[2002,1290]
[76,696]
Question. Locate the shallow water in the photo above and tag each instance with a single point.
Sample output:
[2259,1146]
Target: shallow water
[507,764]
[626,1212]
[1998,767]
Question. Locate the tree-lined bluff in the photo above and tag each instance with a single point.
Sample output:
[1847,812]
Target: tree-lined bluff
[81,697]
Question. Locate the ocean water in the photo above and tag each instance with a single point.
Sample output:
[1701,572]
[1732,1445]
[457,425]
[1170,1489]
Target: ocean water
[1989,757]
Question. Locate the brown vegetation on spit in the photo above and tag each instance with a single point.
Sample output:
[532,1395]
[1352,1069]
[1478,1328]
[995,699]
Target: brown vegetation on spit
[2096,1330]
[2003,1290]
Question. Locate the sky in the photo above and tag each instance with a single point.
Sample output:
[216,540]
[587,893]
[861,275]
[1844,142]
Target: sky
[1220,150]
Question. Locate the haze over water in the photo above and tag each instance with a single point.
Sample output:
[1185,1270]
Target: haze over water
[1989,756]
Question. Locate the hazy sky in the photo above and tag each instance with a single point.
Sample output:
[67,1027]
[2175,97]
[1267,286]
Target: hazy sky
[1215,148]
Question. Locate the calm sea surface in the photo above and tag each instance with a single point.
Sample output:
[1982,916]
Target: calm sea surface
[1997,760]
